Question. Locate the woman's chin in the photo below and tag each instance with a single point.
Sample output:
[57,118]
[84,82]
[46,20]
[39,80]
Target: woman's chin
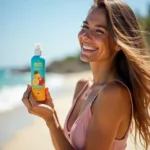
[84,58]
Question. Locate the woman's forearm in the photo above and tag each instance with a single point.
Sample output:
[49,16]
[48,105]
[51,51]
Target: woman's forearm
[59,140]
[54,142]
[52,137]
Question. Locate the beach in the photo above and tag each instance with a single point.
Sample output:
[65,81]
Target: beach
[36,135]
[30,132]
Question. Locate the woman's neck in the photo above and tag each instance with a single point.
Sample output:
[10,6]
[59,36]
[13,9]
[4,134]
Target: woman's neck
[102,73]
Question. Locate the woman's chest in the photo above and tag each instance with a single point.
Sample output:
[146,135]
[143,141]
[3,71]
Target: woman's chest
[80,106]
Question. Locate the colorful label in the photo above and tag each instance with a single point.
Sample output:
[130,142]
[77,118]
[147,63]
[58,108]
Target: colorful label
[38,75]
[38,78]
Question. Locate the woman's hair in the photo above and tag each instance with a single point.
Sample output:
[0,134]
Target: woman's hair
[132,61]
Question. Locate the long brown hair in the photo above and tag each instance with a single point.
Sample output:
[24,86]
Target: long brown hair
[132,61]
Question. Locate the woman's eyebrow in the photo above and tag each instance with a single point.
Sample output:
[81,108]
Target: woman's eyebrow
[100,26]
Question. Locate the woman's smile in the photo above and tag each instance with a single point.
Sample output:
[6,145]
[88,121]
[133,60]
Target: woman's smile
[88,49]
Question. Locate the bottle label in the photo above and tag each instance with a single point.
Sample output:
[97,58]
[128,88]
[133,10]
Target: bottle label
[38,75]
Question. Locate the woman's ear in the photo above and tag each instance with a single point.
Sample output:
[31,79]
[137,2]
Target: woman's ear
[117,48]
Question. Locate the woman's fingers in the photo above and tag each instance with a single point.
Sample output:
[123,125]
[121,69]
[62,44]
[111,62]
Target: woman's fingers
[49,100]
[26,96]
[27,92]
[48,96]
[33,102]
[29,101]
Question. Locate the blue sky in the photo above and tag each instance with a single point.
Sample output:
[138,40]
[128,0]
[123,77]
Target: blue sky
[53,23]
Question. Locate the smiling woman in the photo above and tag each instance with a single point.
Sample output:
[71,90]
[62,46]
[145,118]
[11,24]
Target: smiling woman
[94,37]
[105,107]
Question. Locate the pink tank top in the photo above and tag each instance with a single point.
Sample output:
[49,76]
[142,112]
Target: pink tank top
[77,134]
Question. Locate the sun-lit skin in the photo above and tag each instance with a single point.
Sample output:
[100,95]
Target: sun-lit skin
[94,33]
[95,36]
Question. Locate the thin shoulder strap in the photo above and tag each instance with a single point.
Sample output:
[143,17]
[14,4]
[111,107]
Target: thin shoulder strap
[131,116]
[105,85]
[126,88]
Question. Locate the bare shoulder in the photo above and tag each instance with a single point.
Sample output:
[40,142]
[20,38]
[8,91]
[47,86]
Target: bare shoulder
[116,89]
[108,112]
[114,97]
[79,85]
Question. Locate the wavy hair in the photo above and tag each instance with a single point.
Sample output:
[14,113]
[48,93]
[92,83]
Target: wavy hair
[132,61]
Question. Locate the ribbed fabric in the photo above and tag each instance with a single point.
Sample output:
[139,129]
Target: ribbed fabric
[77,134]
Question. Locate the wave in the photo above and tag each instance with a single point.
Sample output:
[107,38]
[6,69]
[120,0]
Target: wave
[10,96]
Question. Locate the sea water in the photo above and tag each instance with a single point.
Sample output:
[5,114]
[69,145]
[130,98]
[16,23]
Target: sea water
[13,85]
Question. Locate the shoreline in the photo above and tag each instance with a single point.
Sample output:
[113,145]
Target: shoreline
[15,124]
[34,134]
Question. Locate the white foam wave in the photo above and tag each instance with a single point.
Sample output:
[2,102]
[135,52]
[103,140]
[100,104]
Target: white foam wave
[10,96]
[54,80]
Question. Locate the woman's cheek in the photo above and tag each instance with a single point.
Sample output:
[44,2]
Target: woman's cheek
[80,33]
[100,40]
[80,36]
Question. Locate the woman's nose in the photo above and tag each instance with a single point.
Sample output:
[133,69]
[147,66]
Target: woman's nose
[86,36]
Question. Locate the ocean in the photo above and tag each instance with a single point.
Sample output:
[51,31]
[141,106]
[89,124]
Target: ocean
[13,85]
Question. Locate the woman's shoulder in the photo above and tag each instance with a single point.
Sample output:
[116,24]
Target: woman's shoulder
[116,86]
[79,86]
[118,90]
[80,83]
[115,95]
[110,109]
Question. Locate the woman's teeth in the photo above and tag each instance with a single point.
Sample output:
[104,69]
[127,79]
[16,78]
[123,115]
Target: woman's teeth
[89,48]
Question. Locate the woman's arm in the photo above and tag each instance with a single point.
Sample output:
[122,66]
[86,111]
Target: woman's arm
[53,139]
[108,111]
[61,142]
[80,84]
[46,112]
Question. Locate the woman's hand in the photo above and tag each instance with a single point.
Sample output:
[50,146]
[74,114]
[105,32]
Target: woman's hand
[44,109]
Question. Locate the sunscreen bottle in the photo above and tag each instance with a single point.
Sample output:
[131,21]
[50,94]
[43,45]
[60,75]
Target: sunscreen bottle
[38,74]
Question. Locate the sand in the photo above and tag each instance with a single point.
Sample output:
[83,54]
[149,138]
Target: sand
[35,136]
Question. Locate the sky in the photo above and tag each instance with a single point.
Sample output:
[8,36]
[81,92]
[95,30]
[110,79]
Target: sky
[53,23]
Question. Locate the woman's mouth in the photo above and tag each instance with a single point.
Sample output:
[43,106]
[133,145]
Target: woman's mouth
[88,49]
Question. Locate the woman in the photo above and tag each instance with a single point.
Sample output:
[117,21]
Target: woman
[104,107]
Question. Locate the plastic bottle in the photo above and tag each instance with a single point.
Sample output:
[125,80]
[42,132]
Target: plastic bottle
[38,74]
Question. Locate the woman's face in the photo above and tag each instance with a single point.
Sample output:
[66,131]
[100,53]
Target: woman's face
[95,41]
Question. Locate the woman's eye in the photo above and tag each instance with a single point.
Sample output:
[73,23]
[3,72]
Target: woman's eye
[100,31]
[85,27]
